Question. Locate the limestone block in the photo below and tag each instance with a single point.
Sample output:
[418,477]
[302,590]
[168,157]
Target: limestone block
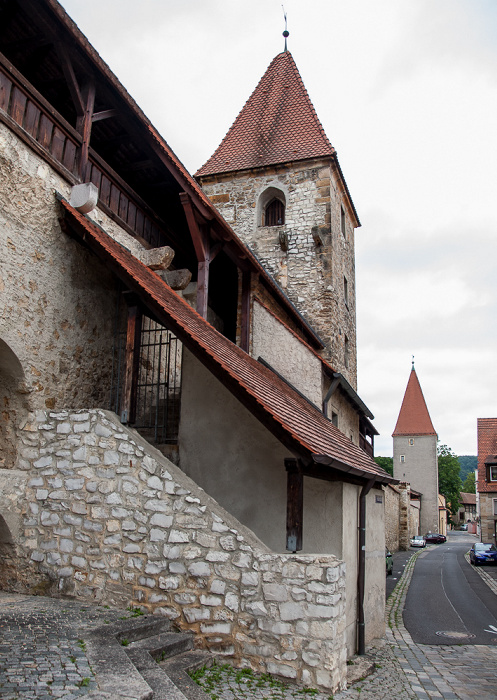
[176,279]
[156,258]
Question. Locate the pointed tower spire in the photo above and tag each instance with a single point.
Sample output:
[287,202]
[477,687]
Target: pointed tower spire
[278,124]
[414,418]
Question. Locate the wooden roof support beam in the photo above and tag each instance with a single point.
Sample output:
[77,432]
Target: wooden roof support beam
[84,127]
[294,505]
[71,79]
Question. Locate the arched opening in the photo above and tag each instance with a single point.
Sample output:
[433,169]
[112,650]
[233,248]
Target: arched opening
[12,405]
[271,207]
[8,558]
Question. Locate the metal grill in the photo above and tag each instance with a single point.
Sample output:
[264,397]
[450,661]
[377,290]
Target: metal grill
[158,388]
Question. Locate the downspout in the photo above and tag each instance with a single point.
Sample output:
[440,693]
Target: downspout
[361,569]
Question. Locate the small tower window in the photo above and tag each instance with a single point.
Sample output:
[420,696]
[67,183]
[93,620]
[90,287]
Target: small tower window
[342,221]
[346,291]
[411,441]
[274,213]
[346,352]
[402,458]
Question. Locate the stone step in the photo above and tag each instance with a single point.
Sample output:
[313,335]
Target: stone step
[142,659]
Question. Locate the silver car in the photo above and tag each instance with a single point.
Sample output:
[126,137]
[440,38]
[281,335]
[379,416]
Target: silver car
[418,541]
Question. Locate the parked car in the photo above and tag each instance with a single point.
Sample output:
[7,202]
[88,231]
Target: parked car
[418,541]
[464,527]
[435,538]
[389,562]
[483,553]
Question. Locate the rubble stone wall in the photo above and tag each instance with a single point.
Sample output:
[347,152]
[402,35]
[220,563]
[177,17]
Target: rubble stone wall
[308,255]
[107,517]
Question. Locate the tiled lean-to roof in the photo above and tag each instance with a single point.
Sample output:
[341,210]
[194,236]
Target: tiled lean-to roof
[414,418]
[278,124]
[299,425]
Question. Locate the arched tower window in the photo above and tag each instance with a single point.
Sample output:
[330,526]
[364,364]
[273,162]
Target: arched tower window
[274,213]
[271,207]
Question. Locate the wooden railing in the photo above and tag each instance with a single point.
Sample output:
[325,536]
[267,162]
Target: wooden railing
[34,120]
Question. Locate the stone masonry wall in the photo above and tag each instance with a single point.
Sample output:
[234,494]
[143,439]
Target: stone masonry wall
[318,255]
[107,517]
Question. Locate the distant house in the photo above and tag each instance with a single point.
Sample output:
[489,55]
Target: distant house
[467,508]
[487,478]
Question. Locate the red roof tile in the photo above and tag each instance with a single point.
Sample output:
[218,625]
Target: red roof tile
[299,425]
[414,418]
[278,124]
[467,498]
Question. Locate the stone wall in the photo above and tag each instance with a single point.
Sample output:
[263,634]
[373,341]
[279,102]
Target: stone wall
[401,517]
[315,257]
[108,518]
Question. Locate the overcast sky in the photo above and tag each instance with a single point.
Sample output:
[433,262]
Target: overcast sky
[407,94]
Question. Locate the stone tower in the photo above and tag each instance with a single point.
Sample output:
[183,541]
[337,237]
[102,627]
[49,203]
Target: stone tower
[415,452]
[276,179]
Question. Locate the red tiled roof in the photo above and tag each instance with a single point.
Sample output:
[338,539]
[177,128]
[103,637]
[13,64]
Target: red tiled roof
[278,124]
[414,418]
[487,445]
[467,499]
[299,425]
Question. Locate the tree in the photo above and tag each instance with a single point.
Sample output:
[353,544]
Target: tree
[386,463]
[469,485]
[449,481]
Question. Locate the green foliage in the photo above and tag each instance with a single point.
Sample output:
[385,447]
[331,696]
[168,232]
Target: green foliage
[84,682]
[469,485]
[125,642]
[449,481]
[386,463]
[468,464]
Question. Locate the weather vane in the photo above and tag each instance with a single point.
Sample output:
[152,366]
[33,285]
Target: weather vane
[286,33]
[413,361]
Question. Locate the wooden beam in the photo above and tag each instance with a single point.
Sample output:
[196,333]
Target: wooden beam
[70,77]
[203,288]
[84,127]
[105,114]
[127,407]
[198,239]
[294,505]
[245,314]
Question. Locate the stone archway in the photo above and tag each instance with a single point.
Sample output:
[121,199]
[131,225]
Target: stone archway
[13,405]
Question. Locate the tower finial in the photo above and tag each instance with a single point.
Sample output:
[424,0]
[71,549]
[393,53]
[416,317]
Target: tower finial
[413,361]
[286,33]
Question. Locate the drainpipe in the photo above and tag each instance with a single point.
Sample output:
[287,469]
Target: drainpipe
[361,573]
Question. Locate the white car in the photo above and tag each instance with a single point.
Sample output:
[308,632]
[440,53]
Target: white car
[418,541]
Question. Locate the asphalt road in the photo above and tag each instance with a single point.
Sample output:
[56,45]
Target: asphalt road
[447,602]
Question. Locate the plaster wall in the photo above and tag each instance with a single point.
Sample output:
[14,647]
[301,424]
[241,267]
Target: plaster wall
[420,469]
[374,599]
[57,300]
[272,341]
[348,419]
[317,257]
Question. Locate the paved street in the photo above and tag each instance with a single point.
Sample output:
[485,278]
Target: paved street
[41,657]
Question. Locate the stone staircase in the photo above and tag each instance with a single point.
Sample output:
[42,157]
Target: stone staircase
[144,659]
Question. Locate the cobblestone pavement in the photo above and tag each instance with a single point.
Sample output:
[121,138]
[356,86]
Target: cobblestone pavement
[40,656]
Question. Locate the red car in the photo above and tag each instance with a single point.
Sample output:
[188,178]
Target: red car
[435,538]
